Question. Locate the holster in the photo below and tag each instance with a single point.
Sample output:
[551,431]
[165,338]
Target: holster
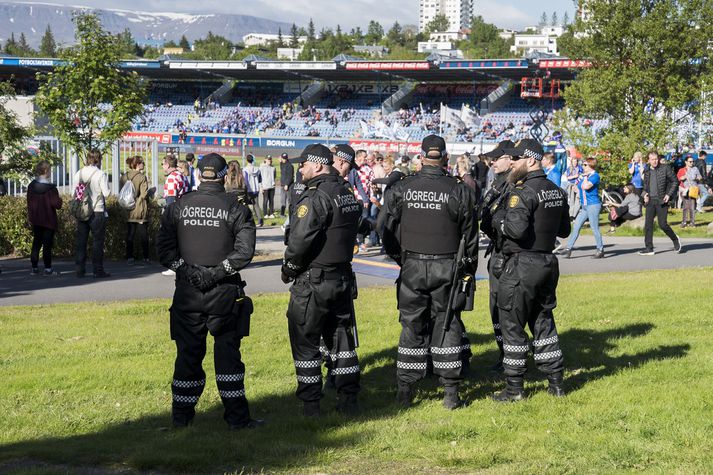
[497,264]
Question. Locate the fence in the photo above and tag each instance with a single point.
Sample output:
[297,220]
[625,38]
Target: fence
[113,164]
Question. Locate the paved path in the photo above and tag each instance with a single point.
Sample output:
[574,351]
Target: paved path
[17,287]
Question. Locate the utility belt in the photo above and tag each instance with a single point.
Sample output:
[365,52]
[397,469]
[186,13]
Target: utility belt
[316,275]
[234,279]
[429,257]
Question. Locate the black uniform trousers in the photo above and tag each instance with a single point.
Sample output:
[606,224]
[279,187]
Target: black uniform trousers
[424,286]
[494,312]
[527,296]
[189,330]
[321,307]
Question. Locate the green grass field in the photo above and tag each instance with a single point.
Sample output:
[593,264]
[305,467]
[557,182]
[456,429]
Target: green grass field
[88,385]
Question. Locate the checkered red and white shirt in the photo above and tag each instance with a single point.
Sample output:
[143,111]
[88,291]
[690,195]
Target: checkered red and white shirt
[176,184]
[366,176]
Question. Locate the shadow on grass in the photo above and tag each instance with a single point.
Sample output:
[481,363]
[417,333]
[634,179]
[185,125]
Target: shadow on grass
[293,443]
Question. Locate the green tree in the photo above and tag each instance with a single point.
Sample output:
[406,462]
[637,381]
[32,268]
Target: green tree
[280,41]
[395,35]
[17,163]
[11,45]
[310,31]
[294,37]
[24,48]
[439,23]
[212,48]
[74,97]
[648,59]
[543,20]
[126,44]
[555,19]
[374,33]
[184,43]
[357,35]
[485,40]
[565,19]
[48,46]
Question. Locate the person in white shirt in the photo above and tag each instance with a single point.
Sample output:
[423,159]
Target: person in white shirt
[97,185]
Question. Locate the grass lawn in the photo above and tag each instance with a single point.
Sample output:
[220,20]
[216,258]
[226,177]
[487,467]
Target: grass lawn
[88,385]
[674,220]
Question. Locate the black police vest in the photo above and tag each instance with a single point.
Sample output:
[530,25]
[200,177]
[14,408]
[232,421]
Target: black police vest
[550,200]
[426,225]
[341,233]
[203,235]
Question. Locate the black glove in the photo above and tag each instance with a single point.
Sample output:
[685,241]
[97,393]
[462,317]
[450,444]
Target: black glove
[202,278]
[287,274]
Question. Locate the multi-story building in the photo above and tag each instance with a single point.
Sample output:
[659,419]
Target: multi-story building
[458,12]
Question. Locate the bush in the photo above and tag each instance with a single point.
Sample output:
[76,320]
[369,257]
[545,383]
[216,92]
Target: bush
[16,233]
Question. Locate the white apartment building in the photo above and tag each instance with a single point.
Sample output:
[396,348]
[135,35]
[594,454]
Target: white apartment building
[458,12]
[263,39]
[544,41]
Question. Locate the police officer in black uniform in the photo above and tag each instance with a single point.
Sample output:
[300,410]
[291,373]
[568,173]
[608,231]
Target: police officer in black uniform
[534,214]
[426,216]
[206,237]
[318,261]
[493,200]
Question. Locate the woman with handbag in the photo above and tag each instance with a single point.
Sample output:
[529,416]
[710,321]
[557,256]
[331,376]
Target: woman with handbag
[629,209]
[137,223]
[688,182]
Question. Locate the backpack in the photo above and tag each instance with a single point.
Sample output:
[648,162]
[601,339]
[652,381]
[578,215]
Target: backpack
[81,206]
[127,196]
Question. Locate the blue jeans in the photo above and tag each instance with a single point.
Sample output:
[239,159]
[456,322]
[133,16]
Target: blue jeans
[591,213]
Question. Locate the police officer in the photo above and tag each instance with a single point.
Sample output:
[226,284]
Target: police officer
[427,213]
[535,212]
[318,261]
[206,237]
[492,200]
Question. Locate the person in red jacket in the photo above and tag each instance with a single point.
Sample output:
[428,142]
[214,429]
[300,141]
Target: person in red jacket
[43,201]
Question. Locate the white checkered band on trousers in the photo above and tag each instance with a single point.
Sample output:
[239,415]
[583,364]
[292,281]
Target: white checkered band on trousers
[188,384]
[546,341]
[308,363]
[309,379]
[229,268]
[514,362]
[230,377]
[348,370]
[324,350]
[317,159]
[498,338]
[550,355]
[496,326]
[413,351]
[187,399]
[447,364]
[232,394]
[342,355]
[516,348]
[404,365]
[450,350]
[531,154]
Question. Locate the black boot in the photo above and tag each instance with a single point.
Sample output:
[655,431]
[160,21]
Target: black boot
[451,400]
[556,384]
[249,424]
[347,404]
[282,211]
[514,390]
[183,418]
[311,409]
[404,394]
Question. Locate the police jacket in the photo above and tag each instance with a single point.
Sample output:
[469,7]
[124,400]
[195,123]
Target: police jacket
[298,187]
[323,226]
[427,213]
[534,214]
[208,228]
[492,201]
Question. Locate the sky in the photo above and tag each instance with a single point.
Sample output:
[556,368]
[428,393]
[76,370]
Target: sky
[513,14]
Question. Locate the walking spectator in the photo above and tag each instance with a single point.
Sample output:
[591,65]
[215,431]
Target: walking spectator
[287,179]
[702,166]
[235,182]
[193,180]
[659,187]
[43,201]
[636,170]
[253,180]
[629,209]
[689,181]
[97,185]
[136,225]
[591,205]
[572,175]
[549,166]
[269,177]
[175,184]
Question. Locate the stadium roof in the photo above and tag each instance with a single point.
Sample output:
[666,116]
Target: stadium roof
[342,68]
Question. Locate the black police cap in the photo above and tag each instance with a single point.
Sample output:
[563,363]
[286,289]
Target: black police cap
[433,144]
[526,148]
[213,166]
[316,153]
[499,151]
[346,153]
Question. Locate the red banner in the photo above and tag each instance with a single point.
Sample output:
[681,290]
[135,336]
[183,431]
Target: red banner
[159,137]
[564,63]
[388,66]
[386,146]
